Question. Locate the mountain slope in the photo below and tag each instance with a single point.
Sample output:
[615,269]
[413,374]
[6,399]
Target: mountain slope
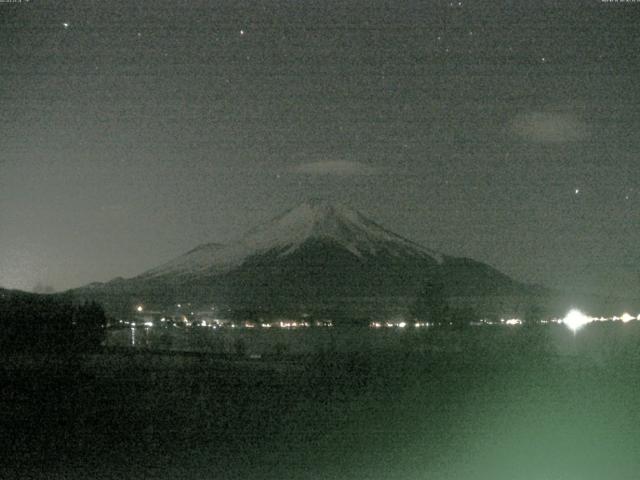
[314,220]
[318,253]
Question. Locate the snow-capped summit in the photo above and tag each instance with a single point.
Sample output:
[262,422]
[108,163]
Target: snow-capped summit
[322,220]
[313,220]
[319,256]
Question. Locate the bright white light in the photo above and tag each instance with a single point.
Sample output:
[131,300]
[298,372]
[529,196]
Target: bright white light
[148,324]
[139,308]
[575,320]
[402,324]
[513,321]
[65,24]
[626,317]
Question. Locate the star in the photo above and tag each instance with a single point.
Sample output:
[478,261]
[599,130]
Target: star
[577,191]
[242,32]
[66,25]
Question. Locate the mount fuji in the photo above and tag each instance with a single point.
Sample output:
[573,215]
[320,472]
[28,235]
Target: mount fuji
[316,255]
[315,221]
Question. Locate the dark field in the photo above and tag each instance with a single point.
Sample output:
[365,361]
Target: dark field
[503,403]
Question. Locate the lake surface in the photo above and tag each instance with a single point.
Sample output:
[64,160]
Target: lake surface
[487,404]
[597,340]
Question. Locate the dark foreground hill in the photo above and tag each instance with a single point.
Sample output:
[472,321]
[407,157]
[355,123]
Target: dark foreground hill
[32,322]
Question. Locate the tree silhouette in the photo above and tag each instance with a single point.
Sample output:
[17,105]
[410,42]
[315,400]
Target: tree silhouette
[461,317]
[89,321]
[533,314]
[431,304]
[48,323]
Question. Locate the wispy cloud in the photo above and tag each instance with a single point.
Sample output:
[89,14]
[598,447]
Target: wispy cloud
[341,168]
[550,127]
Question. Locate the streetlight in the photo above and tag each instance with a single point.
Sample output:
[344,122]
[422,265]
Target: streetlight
[575,320]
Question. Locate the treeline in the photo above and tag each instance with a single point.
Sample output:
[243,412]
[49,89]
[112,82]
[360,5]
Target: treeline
[432,306]
[49,323]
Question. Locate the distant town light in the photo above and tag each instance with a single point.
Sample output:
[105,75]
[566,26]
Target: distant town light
[626,317]
[575,319]
[139,308]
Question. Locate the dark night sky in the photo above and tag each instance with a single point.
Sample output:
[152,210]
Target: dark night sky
[503,131]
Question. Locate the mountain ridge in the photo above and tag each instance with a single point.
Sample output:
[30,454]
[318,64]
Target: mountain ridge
[318,254]
[313,219]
